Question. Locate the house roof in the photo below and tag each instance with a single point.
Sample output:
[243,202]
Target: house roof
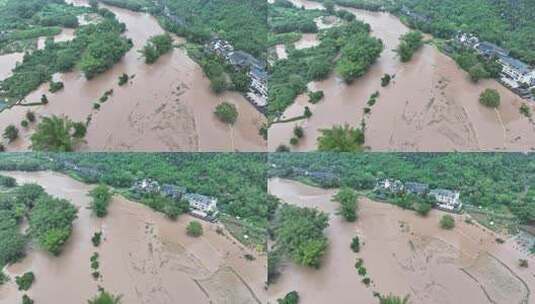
[203,199]
[491,49]
[515,63]
[443,192]
[416,187]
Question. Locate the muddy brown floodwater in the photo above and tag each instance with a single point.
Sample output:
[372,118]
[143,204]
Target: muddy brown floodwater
[144,256]
[167,106]
[431,105]
[404,254]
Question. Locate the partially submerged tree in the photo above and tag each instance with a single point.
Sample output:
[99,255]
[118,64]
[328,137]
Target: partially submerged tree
[490,98]
[56,134]
[341,139]
[105,297]
[226,112]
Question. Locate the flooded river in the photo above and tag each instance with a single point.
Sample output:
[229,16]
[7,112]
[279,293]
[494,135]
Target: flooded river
[167,106]
[144,256]
[404,254]
[431,105]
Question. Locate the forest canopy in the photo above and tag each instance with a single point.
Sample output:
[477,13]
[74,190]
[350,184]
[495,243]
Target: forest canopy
[499,181]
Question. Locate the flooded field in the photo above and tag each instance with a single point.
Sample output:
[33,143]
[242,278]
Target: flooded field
[144,256]
[404,254]
[431,105]
[167,106]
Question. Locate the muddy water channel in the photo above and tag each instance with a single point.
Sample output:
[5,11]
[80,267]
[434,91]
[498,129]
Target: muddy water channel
[144,256]
[404,254]
[431,105]
[167,106]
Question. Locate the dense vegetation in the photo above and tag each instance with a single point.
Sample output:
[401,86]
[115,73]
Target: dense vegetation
[347,198]
[506,23]
[50,221]
[242,23]
[298,234]
[194,229]
[290,298]
[95,49]
[105,297]
[57,134]
[490,98]
[22,22]
[348,49]
[101,197]
[156,47]
[409,44]
[226,112]
[341,139]
[238,181]
[503,184]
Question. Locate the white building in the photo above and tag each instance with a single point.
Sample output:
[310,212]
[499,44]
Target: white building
[447,199]
[205,205]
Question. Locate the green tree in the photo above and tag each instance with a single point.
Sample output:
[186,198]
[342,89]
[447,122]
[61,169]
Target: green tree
[490,98]
[11,133]
[525,110]
[26,300]
[25,281]
[101,197]
[447,222]
[30,116]
[391,299]
[478,72]
[423,208]
[348,204]
[355,244]
[410,43]
[51,222]
[290,298]
[53,134]
[226,112]
[298,132]
[341,139]
[105,297]
[194,229]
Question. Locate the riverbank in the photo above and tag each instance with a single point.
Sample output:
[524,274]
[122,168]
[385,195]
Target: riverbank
[167,106]
[431,104]
[144,256]
[404,254]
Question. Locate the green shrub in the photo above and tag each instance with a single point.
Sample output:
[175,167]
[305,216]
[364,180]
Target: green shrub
[290,298]
[123,79]
[26,300]
[385,80]
[315,97]
[355,244]
[298,132]
[30,116]
[194,229]
[447,222]
[525,110]
[101,197]
[55,86]
[11,133]
[294,141]
[96,239]
[24,123]
[105,298]
[226,112]
[25,281]
[423,208]
[283,148]
[490,98]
